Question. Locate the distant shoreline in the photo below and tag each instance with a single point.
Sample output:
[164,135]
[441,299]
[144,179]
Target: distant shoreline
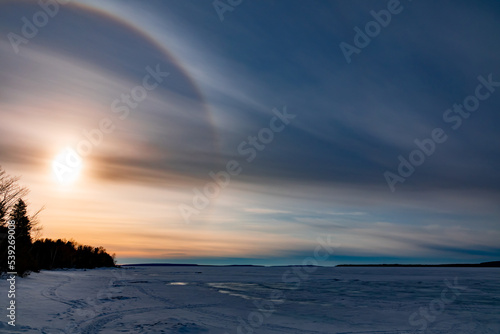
[186,265]
[492,264]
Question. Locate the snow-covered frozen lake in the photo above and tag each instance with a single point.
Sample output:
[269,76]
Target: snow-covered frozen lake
[256,300]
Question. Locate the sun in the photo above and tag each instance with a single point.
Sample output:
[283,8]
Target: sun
[67,166]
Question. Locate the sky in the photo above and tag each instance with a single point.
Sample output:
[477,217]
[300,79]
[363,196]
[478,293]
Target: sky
[249,132]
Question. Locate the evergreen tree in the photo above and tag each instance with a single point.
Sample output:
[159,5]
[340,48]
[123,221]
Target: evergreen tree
[23,223]
[34,255]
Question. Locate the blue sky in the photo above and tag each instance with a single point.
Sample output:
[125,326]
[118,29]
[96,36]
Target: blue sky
[320,172]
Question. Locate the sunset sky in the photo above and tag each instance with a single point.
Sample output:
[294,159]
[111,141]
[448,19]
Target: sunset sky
[116,113]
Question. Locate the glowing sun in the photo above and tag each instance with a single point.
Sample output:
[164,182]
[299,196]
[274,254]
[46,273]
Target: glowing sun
[67,166]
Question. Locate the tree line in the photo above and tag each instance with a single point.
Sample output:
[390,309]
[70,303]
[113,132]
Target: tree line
[21,248]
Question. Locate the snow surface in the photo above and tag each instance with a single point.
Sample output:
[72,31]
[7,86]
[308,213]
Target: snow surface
[256,300]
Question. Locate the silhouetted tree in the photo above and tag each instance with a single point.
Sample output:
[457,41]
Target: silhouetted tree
[23,228]
[50,254]
[39,254]
[19,215]
[10,193]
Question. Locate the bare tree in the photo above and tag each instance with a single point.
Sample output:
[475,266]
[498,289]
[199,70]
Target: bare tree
[10,193]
